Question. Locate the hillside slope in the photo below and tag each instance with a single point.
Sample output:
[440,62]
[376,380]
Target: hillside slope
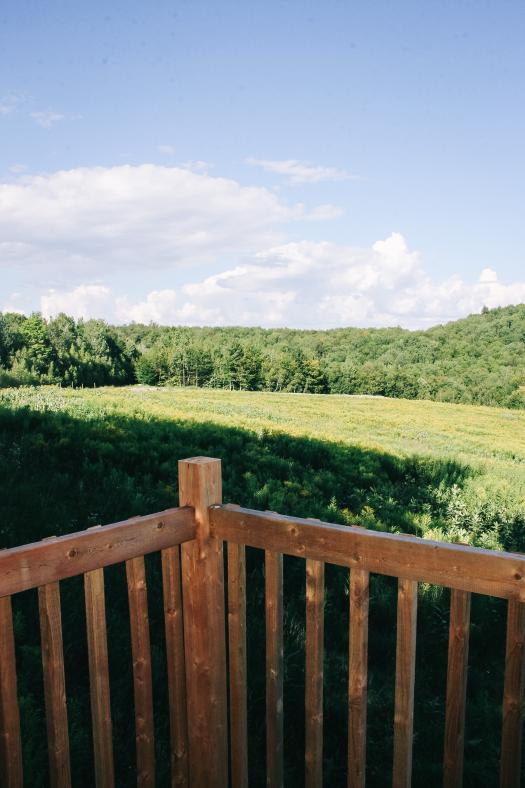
[477,360]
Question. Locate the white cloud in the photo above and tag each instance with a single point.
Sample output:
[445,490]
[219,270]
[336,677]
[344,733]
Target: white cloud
[82,301]
[46,118]
[84,227]
[311,285]
[85,222]
[10,103]
[301,171]
[488,275]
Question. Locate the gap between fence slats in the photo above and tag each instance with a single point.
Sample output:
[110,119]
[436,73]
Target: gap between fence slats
[405,675]
[54,685]
[512,714]
[274,669]
[237,660]
[10,742]
[99,678]
[458,645]
[142,685]
[358,677]
[175,661]
[314,674]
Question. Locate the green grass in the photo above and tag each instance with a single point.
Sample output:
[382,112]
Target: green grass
[489,440]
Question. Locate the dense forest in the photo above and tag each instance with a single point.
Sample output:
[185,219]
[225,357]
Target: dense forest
[480,359]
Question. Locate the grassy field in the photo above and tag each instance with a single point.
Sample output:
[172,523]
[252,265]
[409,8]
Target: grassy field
[489,440]
[70,459]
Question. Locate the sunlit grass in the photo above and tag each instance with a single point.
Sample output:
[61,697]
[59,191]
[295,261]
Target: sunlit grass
[490,440]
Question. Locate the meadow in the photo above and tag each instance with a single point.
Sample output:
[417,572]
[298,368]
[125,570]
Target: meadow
[73,458]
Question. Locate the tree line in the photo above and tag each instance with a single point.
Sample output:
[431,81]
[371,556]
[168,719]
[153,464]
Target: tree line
[480,359]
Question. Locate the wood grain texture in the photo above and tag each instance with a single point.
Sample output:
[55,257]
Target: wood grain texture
[452,565]
[204,628]
[405,675]
[171,576]
[99,678]
[237,666]
[512,713]
[458,642]
[314,672]
[358,677]
[54,685]
[59,557]
[142,685]
[274,669]
[11,775]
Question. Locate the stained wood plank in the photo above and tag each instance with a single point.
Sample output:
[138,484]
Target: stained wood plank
[237,666]
[173,622]
[314,674]
[513,697]
[274,669]
[358,677]
[11,775]
[204,628]
[59,557]
[458,643]
[405,675]
[99,678]
[54,685]
[142,685]
[453,565]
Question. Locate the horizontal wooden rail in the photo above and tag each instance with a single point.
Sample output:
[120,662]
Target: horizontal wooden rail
[40,563]
[451,565]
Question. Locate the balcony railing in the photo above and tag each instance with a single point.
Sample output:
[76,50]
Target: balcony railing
[209,740]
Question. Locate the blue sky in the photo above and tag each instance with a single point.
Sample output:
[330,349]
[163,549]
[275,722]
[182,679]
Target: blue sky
[274,163]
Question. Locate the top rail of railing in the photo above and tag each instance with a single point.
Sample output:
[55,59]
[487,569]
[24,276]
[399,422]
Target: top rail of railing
[57,558]
[452,565]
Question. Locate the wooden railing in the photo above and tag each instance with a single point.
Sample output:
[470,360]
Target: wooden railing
[209,739]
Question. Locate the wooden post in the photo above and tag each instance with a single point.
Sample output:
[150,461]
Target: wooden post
[313,696]
[510,772]
[238,669]
[405,675]
[456,688]
[10,742]
[358,677]
[204,628]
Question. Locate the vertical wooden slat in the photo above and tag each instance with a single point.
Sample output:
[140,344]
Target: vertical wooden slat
[274,669]
[458,642]
[10,742]
[358,677]
[238,671]
[204,628]
[99,677]
[176,671]
[313,701]
[142,685]
[510,773]
[54,685]
[405,675]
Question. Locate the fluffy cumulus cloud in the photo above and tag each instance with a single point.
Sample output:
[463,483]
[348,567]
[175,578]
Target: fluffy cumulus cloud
[306,284]
[89,220]
[301,171]
[156,226]
[82,301]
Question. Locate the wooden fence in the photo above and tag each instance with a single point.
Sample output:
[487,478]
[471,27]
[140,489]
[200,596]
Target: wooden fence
[209,730]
